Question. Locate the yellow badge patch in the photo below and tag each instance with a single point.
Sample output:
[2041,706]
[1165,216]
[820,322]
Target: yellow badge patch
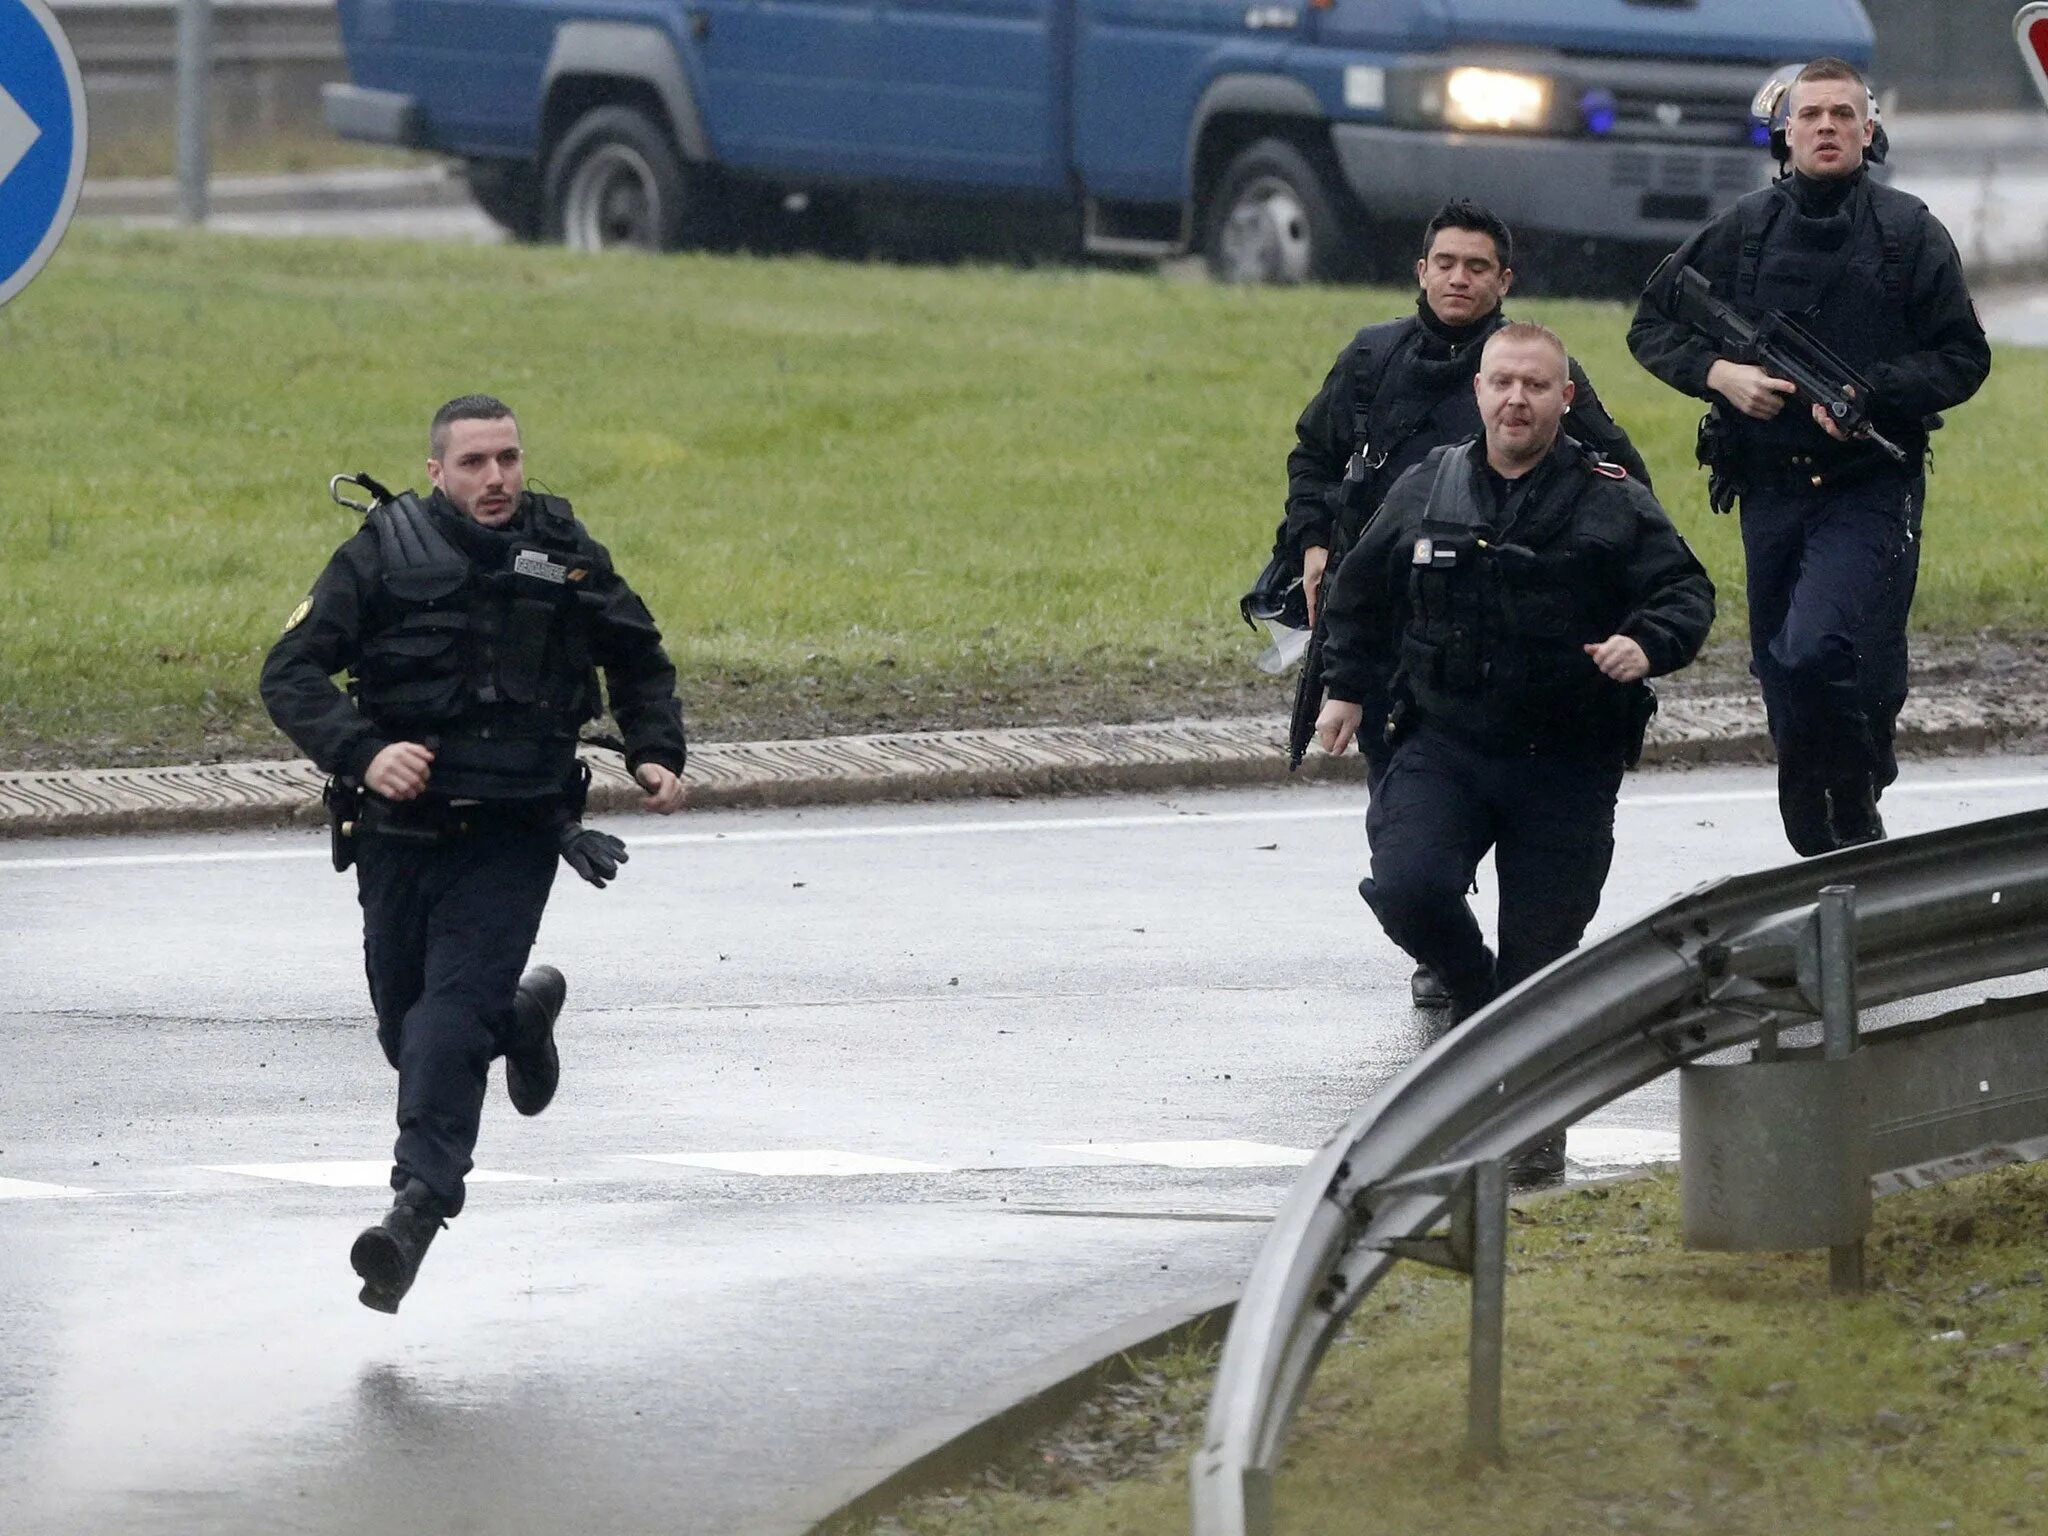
[298,615]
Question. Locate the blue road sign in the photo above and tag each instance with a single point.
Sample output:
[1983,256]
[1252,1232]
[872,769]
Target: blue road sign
[42,139]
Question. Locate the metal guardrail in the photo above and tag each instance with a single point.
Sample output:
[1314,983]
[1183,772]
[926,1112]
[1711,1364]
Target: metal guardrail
[1725,965]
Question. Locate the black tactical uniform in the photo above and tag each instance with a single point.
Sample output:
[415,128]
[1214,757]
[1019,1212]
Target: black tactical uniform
[479,643]
[1830,530]
[1469,602]
[1396,391]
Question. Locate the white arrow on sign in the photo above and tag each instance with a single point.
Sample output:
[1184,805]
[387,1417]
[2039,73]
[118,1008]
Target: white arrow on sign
[18,134]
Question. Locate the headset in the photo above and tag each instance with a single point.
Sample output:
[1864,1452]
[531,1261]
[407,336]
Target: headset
[1772,106]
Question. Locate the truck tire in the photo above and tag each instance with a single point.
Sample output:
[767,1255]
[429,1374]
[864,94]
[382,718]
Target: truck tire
[616,180]
[1272,219]
[508,191]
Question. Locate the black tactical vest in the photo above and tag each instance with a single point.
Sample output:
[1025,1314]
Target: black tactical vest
[480,641]
[1843,277]
[1493,650]
[1409,396]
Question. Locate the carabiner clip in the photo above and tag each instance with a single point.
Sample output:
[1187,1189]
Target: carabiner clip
[334,490]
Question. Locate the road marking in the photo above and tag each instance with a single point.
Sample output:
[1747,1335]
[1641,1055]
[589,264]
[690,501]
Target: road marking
[18,134]
[1351,810]
[1593,1146]
[792,1164]
[338,1175]
[29,1189]
[1620,1146]
[1195,1154]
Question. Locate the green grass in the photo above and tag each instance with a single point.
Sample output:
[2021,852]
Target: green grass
[1647,1389]
[857,497]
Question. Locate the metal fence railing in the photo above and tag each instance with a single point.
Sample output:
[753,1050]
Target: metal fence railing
[1731,963]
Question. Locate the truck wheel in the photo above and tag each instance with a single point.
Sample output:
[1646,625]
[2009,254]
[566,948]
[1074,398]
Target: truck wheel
[508,191]
[615,180]
[1272,220]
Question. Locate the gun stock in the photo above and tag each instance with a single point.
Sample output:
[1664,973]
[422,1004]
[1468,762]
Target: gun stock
[1308,699]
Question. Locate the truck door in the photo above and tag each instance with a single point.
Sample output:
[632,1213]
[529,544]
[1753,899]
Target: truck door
[972,92]
[787,84]
[1139,66]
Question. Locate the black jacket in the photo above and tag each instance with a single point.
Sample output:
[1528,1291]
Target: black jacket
[1578,552]
[1896,307]
[1418,381]
[350,605]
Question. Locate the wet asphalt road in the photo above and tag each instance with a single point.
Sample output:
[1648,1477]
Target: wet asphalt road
[995,995]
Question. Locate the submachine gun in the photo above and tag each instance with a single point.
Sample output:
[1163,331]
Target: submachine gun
[1785,349]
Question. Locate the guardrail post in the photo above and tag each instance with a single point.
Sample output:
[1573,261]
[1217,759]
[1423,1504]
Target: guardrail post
[195,107]
[1836,923]
[1487,1210]
[1774,1153]
[1476,1244]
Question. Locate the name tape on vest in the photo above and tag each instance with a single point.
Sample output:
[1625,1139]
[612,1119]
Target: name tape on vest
[531,562]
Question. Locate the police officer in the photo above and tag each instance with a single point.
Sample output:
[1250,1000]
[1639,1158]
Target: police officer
[470,625]
[1400,389]
[1510,599]
[1830,525]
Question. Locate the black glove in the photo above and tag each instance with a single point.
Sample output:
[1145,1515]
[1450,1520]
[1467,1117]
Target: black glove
[594,855]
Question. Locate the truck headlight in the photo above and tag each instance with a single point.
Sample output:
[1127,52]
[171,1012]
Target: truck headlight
[1495,98]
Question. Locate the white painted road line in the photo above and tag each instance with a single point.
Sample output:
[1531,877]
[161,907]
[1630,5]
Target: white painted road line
[794,1164]
[29,1189]
[365,1175]
[1620,1146]
[1593,1146]
[1352,809]
[1195,1154]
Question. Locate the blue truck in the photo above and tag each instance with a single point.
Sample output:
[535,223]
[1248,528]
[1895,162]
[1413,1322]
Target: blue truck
[1285,140]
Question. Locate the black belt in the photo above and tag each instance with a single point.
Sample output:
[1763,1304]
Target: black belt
[431,819]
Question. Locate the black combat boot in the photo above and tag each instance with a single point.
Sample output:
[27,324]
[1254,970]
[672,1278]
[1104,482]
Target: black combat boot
[1803,804]
[1542,1163]
[1852,813]
[388,1255]
[1427,989]
[532,1068]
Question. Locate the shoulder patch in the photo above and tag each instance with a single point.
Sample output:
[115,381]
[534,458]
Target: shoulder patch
[1611,471]
[298,615]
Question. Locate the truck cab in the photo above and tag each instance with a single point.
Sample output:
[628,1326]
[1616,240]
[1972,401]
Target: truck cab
[1286,140]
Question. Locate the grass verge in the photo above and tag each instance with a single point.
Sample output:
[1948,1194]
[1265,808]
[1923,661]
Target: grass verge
[857,496]
[1648,1389]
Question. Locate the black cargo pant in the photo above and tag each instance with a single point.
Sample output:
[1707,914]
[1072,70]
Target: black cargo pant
[1831,579]
[1440,805]
[447,928]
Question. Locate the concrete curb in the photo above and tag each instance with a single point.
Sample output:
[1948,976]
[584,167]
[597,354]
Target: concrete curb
[932,765]
[370,189]
[960,1445]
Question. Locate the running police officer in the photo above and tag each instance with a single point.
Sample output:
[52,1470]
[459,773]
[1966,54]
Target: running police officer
[1510,599]
[1400,389]
[1830,525]
[470,625]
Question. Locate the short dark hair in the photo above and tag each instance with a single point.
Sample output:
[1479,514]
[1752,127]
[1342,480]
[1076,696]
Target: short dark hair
[464,408]
[1463,213]
[1829,67]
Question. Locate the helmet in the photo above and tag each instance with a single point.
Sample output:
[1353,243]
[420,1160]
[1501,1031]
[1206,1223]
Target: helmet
[1772,106]
[1276,596]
